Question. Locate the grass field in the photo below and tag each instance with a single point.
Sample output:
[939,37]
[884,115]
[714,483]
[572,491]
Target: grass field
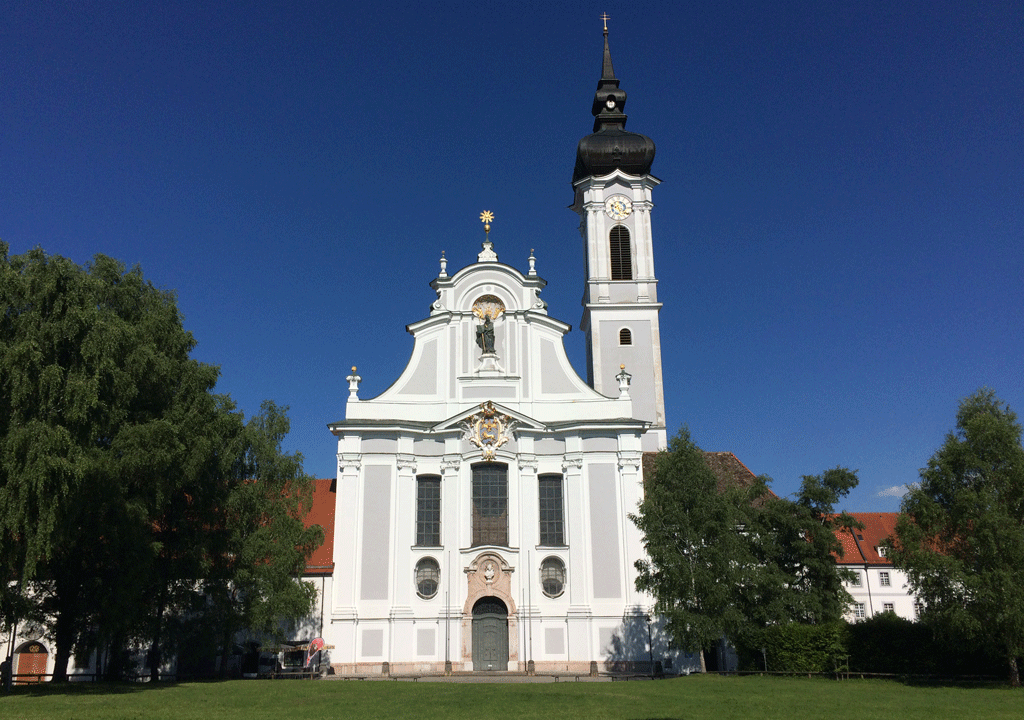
[690,698]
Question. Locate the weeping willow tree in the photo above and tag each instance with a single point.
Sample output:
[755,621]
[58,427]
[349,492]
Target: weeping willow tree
[122,476]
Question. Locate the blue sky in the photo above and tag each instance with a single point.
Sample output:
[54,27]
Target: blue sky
[838,235]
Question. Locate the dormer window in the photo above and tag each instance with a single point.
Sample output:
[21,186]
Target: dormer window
[880,550]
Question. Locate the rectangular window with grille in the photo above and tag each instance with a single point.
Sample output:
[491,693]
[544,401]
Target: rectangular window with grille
[428,511]
[490,504]
[883,578]
[552,532]
[888,607]
[858,610]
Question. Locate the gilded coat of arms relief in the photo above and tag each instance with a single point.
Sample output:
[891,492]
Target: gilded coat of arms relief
[488,429]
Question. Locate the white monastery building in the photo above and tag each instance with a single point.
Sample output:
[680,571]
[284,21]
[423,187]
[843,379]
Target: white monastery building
[481,500]
[877,586]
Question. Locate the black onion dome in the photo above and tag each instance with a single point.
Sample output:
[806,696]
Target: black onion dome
[611,147]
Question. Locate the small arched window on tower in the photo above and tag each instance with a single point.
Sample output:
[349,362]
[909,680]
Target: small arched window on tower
[621,253]
[625,337]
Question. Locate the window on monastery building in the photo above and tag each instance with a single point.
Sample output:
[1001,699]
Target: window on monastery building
[625,337]
[621,253]
[428,511]
[490,504]
[880,550]
[856,579]
[858,611]
[888,607]
[552,526]
[428,578]
[918,608]
[883,578]
[552,577]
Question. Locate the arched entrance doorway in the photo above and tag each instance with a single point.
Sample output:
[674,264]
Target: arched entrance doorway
[490,634]
[30,662]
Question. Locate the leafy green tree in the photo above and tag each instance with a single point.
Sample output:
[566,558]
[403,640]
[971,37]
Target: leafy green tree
[960,536]
[94,373]
[696,558]
[795,577]
[724,560]
[124,481]
[253,583]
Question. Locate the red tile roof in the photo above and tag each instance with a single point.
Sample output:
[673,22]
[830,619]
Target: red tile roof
[727,468]
[861,546]
[321,562]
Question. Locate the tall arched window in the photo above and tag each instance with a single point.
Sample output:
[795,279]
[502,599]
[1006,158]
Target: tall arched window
[621,253]
[552,532]
[490,504]
[428,511]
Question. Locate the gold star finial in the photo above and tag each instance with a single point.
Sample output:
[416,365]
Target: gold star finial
[605,17]
[486,217]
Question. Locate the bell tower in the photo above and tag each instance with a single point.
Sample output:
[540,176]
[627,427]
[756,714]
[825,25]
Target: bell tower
[612,182]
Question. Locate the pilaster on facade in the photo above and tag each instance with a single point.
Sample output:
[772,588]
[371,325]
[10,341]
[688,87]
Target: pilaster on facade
[572,463]
[349,463]
[406,464]
[527,463]
[450,465]
[629,461]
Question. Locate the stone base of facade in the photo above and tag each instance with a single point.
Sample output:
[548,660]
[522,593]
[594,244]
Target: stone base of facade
[541,667]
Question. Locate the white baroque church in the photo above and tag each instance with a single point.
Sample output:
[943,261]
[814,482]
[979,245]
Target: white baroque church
[481,501]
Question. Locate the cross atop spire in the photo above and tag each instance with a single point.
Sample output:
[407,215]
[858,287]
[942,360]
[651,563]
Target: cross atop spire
[609,100]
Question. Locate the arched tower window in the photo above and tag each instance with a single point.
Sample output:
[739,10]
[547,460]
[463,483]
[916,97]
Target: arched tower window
[621,253]
[625,337]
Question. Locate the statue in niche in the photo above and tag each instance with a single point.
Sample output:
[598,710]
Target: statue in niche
[485,335]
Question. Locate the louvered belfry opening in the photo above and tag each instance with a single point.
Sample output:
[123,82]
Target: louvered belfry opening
[625,337]
[621,253]
[490,504]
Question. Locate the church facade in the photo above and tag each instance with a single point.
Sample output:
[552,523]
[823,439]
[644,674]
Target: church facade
[482,500]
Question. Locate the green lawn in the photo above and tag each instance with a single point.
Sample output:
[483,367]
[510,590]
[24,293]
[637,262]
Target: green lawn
[691,698]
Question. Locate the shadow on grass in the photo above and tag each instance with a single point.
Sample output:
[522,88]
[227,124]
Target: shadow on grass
[963,684]
[95,688]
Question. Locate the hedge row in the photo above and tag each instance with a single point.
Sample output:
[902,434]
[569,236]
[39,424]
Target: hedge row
[884,644]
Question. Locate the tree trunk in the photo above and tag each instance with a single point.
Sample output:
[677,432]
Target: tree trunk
[703,662]
[64,631]
[115,660]
[1014,671]
[225,655]
[63,654]
[155,656]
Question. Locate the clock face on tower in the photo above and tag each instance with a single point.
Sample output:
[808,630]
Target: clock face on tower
[618,207]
